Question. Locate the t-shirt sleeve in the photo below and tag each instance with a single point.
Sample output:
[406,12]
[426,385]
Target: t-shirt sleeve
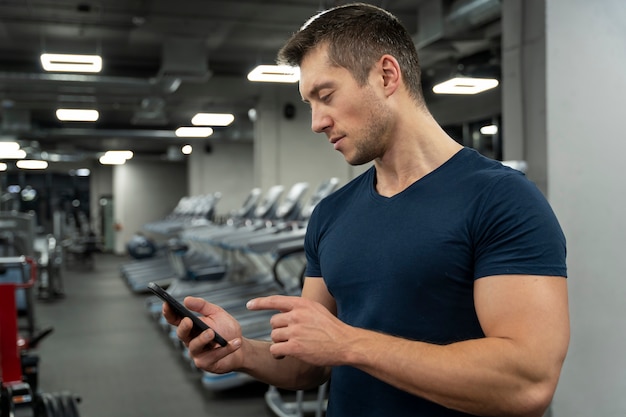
[313,268]
[517,232]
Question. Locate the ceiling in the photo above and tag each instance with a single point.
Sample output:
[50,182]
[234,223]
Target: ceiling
[164,61]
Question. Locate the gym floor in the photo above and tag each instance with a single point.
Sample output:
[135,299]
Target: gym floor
[108,351]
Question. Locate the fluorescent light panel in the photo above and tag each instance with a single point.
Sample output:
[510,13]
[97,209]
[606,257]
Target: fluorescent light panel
[465,85]
[119,154]
[77,115]
[71,63]
[9,146]
[194,132]
[489,130]
[212,119]
[110,160]
[18,154]
[31,164]
[115,157]
[275,74]
[11,150]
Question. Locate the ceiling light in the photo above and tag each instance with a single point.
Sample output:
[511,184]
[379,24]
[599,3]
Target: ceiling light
[18,154]
[83,172]
[3,166]
[9,146]
[119,154]
[111,160]
[465,85]
[194,132]
[187,149]
[115,157]
[275,74]
[212,119]
[489,130]
[77,115]
[71,63]
[31,164]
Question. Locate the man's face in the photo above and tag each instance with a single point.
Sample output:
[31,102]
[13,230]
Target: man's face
[353,117]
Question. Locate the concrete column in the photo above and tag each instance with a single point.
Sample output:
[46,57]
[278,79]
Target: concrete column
[524,86]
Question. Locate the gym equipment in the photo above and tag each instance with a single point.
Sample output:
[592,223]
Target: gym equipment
[190,210]
[17,237]
[80,243]
[19,395]
[263,255]
[160,262]
[299,407]
[140,247]
[188,262]
[50,266]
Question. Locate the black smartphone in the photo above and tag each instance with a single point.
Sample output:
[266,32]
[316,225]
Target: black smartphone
[181,311]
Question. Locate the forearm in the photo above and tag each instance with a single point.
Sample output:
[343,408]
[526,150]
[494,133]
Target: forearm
[489,376]
[287,373]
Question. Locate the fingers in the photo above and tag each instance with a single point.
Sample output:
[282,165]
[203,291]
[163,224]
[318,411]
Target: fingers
[183,331]
[273,302]
[169,315]
[197,304]
[202,341]
[192,303]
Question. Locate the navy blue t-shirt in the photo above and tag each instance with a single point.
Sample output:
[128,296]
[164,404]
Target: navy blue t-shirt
[406,265]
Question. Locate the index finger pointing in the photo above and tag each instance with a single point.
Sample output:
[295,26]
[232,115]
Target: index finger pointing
[272,302]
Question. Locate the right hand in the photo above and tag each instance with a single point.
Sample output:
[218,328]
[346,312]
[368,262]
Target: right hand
[204,351]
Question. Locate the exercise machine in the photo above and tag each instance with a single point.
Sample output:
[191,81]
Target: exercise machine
[19,393]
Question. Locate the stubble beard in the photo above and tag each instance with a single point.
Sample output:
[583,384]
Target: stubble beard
[371,140]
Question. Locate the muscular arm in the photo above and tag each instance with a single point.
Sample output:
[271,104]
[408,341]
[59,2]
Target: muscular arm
[513,371]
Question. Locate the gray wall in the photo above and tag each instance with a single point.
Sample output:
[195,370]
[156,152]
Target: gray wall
[145,192]
[586,87]
[227,169]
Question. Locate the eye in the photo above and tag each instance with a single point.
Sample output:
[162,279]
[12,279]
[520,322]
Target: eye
[326,98]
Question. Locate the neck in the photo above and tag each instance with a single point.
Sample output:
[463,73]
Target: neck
[416,150]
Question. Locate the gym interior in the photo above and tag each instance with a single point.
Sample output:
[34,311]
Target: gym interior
[224,216]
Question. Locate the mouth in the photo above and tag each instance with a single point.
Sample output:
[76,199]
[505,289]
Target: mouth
[335,141]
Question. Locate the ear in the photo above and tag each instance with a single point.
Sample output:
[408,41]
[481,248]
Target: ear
[391,73]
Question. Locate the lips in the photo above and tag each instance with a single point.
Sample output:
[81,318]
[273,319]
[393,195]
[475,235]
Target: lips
[335,141]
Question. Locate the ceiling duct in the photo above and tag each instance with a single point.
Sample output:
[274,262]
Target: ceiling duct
[184,59]
[435,22]
[470,13]
[150,113]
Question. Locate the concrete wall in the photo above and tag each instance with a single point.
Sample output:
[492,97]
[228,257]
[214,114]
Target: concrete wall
[524,86]
[228,169]
[145,192]
[586,86]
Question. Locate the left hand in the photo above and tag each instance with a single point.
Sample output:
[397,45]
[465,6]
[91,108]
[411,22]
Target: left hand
[303,329]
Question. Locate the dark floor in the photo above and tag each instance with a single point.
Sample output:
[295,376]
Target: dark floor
[106,349]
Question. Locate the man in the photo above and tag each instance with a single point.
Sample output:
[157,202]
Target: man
[435,281]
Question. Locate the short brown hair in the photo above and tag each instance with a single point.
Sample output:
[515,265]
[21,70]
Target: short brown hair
[357,36]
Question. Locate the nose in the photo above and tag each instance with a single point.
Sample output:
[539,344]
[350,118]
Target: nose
[320,121]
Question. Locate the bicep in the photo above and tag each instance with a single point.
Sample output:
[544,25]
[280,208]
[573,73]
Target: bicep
[315,289]
[530,311]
